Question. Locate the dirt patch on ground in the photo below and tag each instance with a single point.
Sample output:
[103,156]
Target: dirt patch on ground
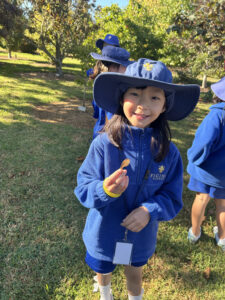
[66,112]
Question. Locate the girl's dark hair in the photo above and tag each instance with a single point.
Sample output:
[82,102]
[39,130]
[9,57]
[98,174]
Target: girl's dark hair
[160,140]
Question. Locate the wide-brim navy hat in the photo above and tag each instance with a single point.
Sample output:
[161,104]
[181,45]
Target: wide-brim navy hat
[113,54]
[109,39]
[218,88]
[181,99]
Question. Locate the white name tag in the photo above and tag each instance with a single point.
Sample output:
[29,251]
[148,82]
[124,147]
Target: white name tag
[123,253]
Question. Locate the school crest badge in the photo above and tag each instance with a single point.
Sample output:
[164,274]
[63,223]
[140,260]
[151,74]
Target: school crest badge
[148,66]
[161,168]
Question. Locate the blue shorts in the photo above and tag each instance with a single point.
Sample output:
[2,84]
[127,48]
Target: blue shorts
[200,187]
[104,267]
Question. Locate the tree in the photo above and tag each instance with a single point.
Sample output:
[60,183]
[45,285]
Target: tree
[12,25]
[59,27]
[204,23]
[132,25]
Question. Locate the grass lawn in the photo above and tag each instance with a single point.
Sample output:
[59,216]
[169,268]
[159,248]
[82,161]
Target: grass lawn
[43,137]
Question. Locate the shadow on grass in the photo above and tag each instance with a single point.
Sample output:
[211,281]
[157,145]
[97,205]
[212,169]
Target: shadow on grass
[41,219]
[11,69]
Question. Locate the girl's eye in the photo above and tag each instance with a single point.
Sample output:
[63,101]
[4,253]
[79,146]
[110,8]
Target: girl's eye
[155,98]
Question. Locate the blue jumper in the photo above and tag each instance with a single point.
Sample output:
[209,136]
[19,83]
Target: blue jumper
[207,154]
[161,195]
[99,114]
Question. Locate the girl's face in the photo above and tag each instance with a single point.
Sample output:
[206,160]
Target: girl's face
[143,106]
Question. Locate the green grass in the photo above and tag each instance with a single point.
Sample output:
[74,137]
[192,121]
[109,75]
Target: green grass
[41,248]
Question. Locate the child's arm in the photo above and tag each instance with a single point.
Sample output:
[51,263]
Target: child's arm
[95,171]
[165,204]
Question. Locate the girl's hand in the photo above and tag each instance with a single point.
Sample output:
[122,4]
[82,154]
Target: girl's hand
[137,219]
[117,182]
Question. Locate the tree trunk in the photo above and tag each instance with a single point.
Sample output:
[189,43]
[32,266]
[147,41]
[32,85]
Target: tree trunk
[204,81]
[9,54]
[59,72]
[58,59]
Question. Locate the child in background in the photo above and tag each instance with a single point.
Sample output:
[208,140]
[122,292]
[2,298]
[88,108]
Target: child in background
[99,114]
[126,205]
[109,40]
[114,59]
[207,167]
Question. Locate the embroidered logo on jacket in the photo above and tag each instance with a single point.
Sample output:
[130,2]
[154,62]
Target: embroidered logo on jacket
[160,175]
[161,168]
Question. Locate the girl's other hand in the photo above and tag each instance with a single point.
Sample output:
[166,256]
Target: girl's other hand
[117,182]
[137,219]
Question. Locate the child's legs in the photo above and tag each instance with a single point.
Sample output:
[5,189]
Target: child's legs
[104,279]
[220,217]
[134,280]
[198,211]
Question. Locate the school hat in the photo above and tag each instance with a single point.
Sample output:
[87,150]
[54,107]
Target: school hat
[218,88]
[113,54]
[109,39]
[109,87]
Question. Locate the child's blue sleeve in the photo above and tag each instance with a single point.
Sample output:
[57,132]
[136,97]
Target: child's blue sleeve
[89,190]
[167,202]
[205,139]
[96,109]
[89,72]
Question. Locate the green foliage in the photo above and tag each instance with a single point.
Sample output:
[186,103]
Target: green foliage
[12,25]
[204,22]
[59,27]
[27,45]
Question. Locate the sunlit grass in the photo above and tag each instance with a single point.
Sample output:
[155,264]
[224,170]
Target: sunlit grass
[41,248]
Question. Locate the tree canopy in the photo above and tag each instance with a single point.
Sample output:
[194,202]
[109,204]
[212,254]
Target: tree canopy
[185,34]
[12,24]
[59,27]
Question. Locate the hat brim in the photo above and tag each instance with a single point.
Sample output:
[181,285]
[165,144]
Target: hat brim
[97,56]
[107,93]
[218,89]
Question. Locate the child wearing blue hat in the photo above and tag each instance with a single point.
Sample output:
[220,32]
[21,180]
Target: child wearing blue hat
[109,40]
[115,59]
[207,168]
[126,205]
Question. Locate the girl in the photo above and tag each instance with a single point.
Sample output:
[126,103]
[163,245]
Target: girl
[110,39]
[112,59]
[206,167]
[127,204]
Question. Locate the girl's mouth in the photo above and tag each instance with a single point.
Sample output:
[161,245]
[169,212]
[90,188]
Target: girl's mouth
[141,116]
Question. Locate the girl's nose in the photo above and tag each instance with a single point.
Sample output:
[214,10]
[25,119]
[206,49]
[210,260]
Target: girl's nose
[144,100]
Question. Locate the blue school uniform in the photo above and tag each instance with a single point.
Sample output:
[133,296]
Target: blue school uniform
[101,115]
[206,155]
[161,195]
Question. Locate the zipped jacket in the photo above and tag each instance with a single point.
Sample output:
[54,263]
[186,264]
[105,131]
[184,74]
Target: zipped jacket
[161,194]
